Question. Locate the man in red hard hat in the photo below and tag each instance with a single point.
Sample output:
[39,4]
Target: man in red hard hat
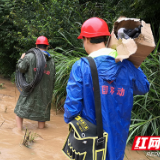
[118,83]
[36,106]
[42,40]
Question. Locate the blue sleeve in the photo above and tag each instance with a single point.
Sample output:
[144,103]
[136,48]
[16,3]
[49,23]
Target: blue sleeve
[73,103]
[140,83]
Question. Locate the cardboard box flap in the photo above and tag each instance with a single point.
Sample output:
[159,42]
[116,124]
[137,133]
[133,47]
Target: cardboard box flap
[146,37]
[126,19]
[125,49]
[112,41]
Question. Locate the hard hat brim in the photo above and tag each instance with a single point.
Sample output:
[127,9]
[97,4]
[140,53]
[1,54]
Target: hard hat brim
[80,37]
[44,44]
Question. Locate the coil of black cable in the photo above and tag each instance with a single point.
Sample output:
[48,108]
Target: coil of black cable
[24,87]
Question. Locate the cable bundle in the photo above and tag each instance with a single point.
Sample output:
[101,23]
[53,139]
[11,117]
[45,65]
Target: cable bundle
[21,83]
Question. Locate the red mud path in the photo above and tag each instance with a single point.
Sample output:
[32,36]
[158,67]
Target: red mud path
[46,147]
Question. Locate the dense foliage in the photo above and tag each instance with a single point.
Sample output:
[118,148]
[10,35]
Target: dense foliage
[22,21]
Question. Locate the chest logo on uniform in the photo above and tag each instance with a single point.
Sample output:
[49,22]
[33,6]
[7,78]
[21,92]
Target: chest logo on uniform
[106,90]
[45,71]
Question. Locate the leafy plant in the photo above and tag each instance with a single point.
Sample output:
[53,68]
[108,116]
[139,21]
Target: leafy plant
[1,85]
[63,67]
[29,138]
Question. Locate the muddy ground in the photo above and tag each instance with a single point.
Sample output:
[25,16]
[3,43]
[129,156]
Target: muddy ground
[51,139]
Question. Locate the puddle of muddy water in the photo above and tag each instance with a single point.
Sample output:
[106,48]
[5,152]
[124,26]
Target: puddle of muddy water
[50,141]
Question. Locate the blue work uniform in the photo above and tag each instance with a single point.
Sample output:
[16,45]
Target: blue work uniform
[118,83]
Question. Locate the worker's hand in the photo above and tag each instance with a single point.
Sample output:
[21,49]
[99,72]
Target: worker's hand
[23,55]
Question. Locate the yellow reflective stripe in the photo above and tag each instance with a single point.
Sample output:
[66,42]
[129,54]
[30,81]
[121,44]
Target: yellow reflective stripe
[100,150]
[76,153]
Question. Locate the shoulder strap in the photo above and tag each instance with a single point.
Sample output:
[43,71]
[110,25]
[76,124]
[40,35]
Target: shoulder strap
[97,99]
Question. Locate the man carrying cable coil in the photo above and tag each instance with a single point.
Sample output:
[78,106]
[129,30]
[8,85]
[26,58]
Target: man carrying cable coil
[36,77]
[118,83]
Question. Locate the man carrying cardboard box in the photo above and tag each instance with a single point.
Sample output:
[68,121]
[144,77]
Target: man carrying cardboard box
[118,83]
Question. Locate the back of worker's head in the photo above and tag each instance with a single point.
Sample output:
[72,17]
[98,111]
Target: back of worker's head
[42,42]
[94,32]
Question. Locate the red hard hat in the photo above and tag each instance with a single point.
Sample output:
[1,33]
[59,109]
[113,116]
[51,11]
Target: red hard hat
[94,27]
[42,40]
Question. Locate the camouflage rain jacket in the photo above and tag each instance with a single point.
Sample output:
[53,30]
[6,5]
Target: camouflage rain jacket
[37,105]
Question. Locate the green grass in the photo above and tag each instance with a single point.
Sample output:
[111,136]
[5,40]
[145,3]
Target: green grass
[63,67]
[1,85]
[29,138]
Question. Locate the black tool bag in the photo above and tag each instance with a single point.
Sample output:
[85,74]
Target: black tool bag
[85,140]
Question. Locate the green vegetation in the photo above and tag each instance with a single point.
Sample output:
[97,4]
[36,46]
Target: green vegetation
[22,21]
[1,85]
[29,138]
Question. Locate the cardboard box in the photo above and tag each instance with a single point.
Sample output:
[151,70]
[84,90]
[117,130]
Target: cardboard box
[135,50]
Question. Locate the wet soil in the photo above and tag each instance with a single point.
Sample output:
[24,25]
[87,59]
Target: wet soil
[50,141]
